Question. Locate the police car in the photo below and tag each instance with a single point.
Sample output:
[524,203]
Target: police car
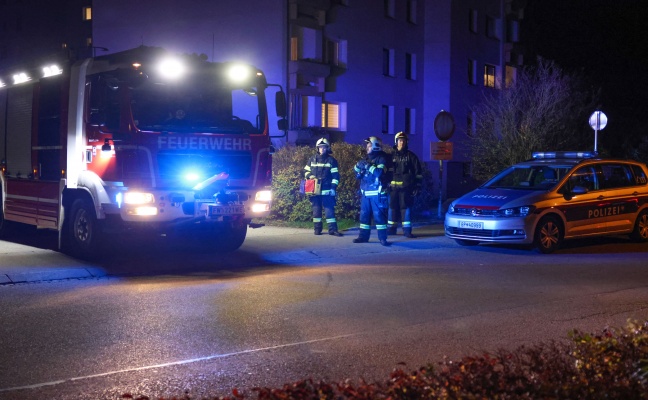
[553,197]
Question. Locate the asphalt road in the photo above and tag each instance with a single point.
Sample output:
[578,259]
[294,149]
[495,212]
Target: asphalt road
[163,320]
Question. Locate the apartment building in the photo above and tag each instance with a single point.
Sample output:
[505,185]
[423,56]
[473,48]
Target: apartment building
[351,68]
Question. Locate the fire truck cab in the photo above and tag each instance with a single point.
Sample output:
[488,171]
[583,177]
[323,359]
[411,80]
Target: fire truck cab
[141,140]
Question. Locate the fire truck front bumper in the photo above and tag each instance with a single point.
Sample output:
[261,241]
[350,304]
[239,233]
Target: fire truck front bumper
[158,206]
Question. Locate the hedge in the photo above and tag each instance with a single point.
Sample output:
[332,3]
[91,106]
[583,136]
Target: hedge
[288,170]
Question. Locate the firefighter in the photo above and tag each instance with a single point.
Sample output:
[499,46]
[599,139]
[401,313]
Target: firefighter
[324,166]
[405,185]
[371,171]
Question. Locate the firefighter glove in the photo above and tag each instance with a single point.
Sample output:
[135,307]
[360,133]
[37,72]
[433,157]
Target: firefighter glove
[332,192]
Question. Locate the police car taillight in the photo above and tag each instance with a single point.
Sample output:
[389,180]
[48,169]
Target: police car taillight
[564,154]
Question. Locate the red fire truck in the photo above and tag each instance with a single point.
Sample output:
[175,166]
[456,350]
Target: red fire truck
[137,139]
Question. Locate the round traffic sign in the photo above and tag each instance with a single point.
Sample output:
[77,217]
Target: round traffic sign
[598,120]
[444,125]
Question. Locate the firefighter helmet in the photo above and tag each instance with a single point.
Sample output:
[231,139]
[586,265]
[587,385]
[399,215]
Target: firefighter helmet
[322,142]
[400,135]
[376,143]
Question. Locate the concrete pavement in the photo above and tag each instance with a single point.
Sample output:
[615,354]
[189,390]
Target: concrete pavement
[34,258]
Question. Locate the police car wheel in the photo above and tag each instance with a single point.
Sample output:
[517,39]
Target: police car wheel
[640,232]
[548,235]
[466,242]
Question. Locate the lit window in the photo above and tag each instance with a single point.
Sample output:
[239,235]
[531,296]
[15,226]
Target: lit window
[334,116]
[411,11]
[511,73]
[489,76]
[388,62]
[410,66]
[294,48]
[87,13]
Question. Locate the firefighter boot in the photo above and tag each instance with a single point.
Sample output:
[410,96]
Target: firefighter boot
[407,232]
[391,229]
[382,236]
[363,236]
[333,230]
[317,228]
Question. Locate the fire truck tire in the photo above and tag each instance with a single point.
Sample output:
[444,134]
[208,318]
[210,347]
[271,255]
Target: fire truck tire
[84,233]
[231,239]
[4,224]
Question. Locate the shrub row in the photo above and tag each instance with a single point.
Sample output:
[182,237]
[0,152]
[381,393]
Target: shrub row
[612,364]
[288,170]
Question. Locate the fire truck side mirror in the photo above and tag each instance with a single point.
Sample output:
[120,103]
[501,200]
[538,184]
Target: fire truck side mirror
[280,104]
[282,124]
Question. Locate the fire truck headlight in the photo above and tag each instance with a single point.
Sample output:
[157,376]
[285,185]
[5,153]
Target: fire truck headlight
[143,210]
[260,207]
[239,73]
[171,68]
[138,198]
[263,195]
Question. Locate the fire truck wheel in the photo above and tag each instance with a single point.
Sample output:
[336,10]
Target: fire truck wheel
[83,230]
[232,238]
[3,223]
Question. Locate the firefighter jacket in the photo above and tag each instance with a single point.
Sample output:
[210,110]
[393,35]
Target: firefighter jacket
[325,168]
[406,170]
[372,172]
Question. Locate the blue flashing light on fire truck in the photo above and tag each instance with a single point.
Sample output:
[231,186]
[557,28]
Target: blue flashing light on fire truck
[140,138]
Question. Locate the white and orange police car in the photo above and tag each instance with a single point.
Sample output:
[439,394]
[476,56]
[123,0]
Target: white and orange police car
[553,197]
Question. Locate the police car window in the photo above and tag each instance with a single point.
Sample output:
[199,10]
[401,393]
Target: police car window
[534,177]
[639,175]
[616,176]
[584,177]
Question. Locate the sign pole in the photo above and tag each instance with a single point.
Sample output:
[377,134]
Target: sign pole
[440,187]
[598,121]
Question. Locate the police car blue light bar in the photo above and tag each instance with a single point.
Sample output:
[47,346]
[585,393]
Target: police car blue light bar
[564,154]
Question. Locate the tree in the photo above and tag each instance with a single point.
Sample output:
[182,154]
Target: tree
[545,109]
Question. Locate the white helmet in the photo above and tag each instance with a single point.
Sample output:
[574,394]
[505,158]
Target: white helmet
[400,135]
[322,142]
[376,143]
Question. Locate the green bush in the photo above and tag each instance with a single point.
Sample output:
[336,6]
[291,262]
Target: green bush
[612,364]
[288,170]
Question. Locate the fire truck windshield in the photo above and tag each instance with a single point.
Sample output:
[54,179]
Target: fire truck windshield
[199,105]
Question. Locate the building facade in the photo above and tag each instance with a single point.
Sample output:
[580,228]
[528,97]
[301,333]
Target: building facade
[351,68]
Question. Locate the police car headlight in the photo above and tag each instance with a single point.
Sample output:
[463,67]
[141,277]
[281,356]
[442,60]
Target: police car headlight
[517,211]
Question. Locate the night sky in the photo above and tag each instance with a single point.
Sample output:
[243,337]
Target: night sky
[605,42]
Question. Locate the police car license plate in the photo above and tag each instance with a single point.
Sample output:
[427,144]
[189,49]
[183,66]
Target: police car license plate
[471,225]
[225,210]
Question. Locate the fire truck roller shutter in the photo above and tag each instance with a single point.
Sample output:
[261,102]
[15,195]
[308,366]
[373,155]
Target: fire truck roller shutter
[19,124]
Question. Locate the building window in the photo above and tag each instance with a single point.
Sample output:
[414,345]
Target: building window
[411,11]
[511,74]
[88,41]
[470,125]
[87,13]
[410,121]
[513,31]
[491,27]
[335,52]
[387,119]
[390,8]
[472,72]
[472,21]
[388,62]
[334,116]
[294,48]
[489,76]
[410,66]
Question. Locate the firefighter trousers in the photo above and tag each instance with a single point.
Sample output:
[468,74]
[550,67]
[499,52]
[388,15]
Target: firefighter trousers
[373,206]
[326,203]
[400,210]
